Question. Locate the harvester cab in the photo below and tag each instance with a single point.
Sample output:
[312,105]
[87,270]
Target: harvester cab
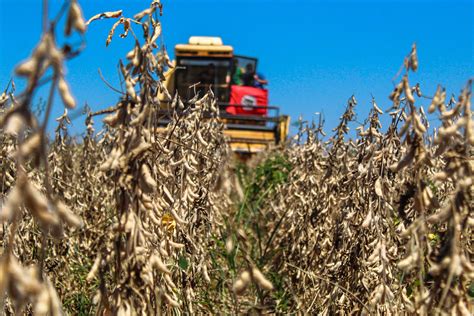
[251,124]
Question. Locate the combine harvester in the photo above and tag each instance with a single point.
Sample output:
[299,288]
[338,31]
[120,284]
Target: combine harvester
[251,124]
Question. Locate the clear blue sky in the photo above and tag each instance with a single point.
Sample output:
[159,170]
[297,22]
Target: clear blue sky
[316,54]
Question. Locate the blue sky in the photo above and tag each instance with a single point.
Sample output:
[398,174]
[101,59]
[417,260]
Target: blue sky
[315,54]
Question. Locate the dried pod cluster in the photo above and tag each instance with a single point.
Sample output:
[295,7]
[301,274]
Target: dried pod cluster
[27,160]
[380,224]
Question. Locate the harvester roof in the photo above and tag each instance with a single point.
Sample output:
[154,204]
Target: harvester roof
[204,46]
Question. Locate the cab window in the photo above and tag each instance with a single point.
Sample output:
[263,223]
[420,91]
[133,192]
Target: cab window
[200,74]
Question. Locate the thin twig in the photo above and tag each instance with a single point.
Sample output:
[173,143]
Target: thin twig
[332,283]
[108,84]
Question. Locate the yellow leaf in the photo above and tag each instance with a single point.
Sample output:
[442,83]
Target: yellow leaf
[168,222]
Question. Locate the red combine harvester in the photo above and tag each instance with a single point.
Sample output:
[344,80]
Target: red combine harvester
[251,124]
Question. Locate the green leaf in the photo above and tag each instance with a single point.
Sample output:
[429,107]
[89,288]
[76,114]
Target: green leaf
[183,263]
[470,291]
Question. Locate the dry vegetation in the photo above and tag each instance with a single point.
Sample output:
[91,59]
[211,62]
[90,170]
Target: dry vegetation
[134,220]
